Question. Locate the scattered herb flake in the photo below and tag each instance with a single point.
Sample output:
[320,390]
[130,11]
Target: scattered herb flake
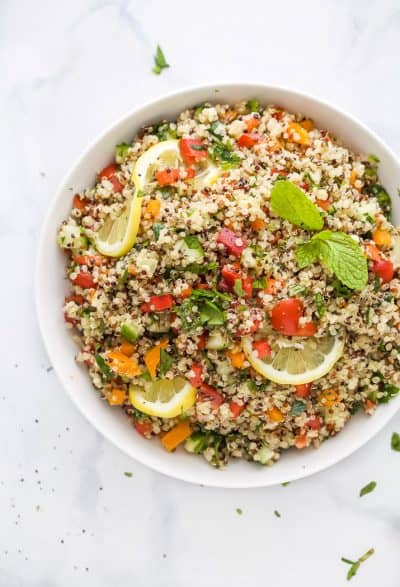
[319,302]
[239,511]
[277,514]
[298,408]
[355,565]
[160,61]
[128,474]
[395,442]
[368,488]
[285,484]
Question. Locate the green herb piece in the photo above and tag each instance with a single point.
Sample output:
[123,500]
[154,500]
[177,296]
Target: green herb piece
[212,129]
[160,61]
[211,314]
[104,368]
[199,269]
[256,387]
[210,294]
[128,474]
[166,362]
[373,159]
[368,488]
[341,291]
[252,105]
[199,109]
[290,202]
[166,191]
[383,198]
[377,282]
[298,408]
[285,484]
[140,194]
[237,288]
[276,513]
[258,251]
[355,565]
[121,150]
[369,218]
[389,391]
[197,442]
[319,302]
[260,283]
[130,331]
[395,442]
[192,242]
[223,155]
[164,130]
[340,253]
[157,229]
[239,511]
[297,290]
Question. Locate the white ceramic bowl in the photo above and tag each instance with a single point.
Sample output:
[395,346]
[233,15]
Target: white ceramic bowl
[51,287]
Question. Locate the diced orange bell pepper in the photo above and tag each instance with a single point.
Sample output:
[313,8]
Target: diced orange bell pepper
[297,134]
[382,238]
[126,348]
[153,208]
[237,358]
[329,397]
[308,124]
[176,435]
[275,414]
[122,365]
[116,397]
[258,224]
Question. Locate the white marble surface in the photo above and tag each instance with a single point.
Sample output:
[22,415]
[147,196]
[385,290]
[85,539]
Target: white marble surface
[68,514]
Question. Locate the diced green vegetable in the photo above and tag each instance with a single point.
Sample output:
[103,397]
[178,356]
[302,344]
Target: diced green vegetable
[157,226]
[395,441]
[130,331]
[252,105]
[298,408]
[197,442]
[121,151]
[217,341]
[297,290]
[237,288]
[260,283]
[263,455]
[160,62]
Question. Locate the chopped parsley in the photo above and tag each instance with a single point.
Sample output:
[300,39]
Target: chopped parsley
[297,290]
[239,511]
[128,474]
[157,229]
[276,513]
[104,368]
[355,565]
[367,488]
[395,441]
[166,362]
[319,302]
[121,150]
[237,288]
[160,62]
[260,283]
[298,408]
[252,105]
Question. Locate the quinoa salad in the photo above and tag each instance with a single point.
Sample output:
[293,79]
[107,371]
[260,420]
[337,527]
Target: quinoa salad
[235,283]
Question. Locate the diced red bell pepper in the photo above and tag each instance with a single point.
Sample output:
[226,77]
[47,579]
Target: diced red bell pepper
[79,203]
[235,244]
[262,348]
[190,172]
[236,409]
[168,176]
[143,427]
[231,272]
[70,320]
[309,329]
[384,268]
[314,423]
[192,150]
[286,314]
[158,303]
[301,441]
[109,173]
[84,280]
[248,139]
[247,286]
[303,390]
[210,394]
[196,371]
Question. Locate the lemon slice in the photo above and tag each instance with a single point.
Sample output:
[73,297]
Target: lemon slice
[117,235]
[165,398]
[296,360]
[163,154]
[167,154]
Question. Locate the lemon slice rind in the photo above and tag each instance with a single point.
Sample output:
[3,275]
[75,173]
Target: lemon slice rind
[283,377]
[181,401]
[117,236]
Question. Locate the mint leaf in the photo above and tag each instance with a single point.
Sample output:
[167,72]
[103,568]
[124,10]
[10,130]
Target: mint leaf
[307,253]
[290,202]
[340,253]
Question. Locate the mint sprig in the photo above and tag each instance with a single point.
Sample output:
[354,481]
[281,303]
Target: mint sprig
[290,202]
[340,253]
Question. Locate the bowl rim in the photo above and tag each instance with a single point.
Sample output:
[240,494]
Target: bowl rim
[160,466]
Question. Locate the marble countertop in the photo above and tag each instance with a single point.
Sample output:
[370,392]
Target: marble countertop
[69,513]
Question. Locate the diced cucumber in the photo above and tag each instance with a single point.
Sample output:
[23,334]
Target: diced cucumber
[217,341]
[130,331]
[192,249]
[71,237]
[197,442]
[264,455]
